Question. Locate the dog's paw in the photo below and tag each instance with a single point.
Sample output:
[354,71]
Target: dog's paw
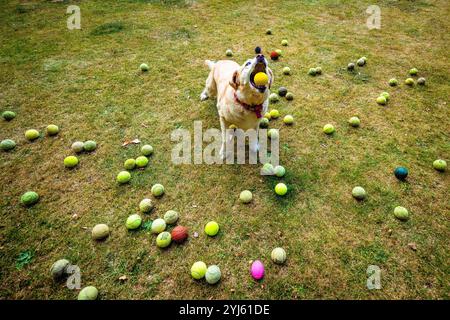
[203,96]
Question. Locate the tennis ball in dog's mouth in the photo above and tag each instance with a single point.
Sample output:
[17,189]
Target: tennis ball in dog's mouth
[133,222]
[359,193]
[288,119]
[284,42]
[157,190]
[274,114]
[261,79]
[274,98]
[354,122]
[409,82]
[246,196]
[88,293]
[52,130]
[401,213]
[212,228]
[7,145]
[29,198]
[413,72]
[229,53]
[281,189]
[141,161]
[381,100]
[31,134]
[286,70]
[158,225]
[147,150]
[198,270]
[393,82]
[129,164]
[144,67]
[123,177]
[8,115]
[146,205]
[70,161]
[440,165]
[328,128]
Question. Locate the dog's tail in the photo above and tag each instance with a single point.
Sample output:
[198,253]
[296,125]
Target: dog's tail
[210,64]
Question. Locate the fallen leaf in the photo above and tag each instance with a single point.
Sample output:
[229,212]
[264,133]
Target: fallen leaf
[127,142]
[412,246]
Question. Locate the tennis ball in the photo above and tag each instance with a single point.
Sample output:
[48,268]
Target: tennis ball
[213,274]
[198,270]
[146,205]
[385,95]
[381,100]
[282,91]
[7,144]
[267,169]
[77,146]
[269,31]
[274,98]
[421,81]
[29,198]
[354,121]
[359,193]
[163,239]
[278,255]
[401,173]
[328,128]
[52,129]
[286,70]
[133,222]
[318,70]
[147,150]
[88,293]
[279,171]
[312,71]
[281,189]
[144,67]
[284,42]
[279,52]
[409,81]
[393,82]
[267,115]
[100,231]
[229,53]
[123,177]
[273,134]
[274,114]
[289,96]
[440,165]
[70,161]
[261,79]
[90,145]
[8,115]
[211,228]
[351,66]
[401,213]
[129,164]
[413,72]
[171,216]
[31,134]
[59,268]
[288,119]
[245,196]
[158,225]
[141,161]
[232,127]
[364,58]
[274,55]
[361,62]
[157,190]
[264,123]
[179,234]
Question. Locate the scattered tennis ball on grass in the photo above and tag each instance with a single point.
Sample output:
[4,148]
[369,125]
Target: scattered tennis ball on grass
[264,123]
[274,114]
[198,270]
[381,100]
[7,144]
[269,31]
[312,71]
[59,268]
[361,62]
[282,91]
[267,169]
[284,42]
[267,115]
[385,95]
[351,66]
[179,234]
[213,274]
[401,173]
[123,177]
[147,150]
[278,255]
[273,97]
[288,119]
[393,82]
[29,198]
[88,293]
[31,134]
[133,222]
[274,55]
[328,129]
[359,193]
[70,161]
[229,53]
[146,205]
[171,216]
[289,96]
[129,164]
[257,270]
[261,79]
[354,122]
[413,72]
[409,82]
[281,189]
[157,190]
[246,196]
[401,213]
[211,228]
[440,165]
[279,171]
[163,239]
[286,71]
[158,225]
[100,231]
[141,161]
[421,81]
[52,129]
[8,115]
[279,52]
[77,146]
[90,145]
[144,67]
[273,134]
[318,70]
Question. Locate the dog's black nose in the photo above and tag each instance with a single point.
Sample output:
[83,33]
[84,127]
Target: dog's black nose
[260,58]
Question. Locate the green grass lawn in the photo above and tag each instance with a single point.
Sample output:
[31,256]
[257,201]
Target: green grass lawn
[88,83]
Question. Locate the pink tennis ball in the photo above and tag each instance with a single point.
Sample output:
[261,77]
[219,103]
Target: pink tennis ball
[257,270]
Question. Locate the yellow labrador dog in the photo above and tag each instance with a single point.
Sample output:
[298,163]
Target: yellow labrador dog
[240,102]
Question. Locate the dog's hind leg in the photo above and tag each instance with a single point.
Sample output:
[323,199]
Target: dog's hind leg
[210,86]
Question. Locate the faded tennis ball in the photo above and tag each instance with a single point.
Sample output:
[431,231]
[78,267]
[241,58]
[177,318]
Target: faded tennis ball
[440,165]
[52,129]
[351,66]
[70,161]
[273,134]
[246,196]
[267,169]
[123,177]
[29,198]
[133,222]
[361,62]
[289,96]
[211,228]
[144,67]
[274,114]
[354,122]
[401,213]
[88,293]
[281,189]
[267,115]
[328,128]
[7,144]
[59,268]
[8,115]
[279,171]
[100,231]
[278,255]
[385,95]
[146,205]
[31,134]
[286,70]
[198,270]
[359,193]
[381,100]
[213,274]
[261,79]
[413,72]
[312,71]
[129,164]
[158,225]
[282,91]
[409,82]
[393,82]
[77,146]
[269,31]
[284,42]
[171,216]
[157,190]
[274,97]
[279,52]
[318,70]
[163,239]
[229,53]
[264,123]
[90,145]
[288,119]
[141,161]
[147,150]
[421,81]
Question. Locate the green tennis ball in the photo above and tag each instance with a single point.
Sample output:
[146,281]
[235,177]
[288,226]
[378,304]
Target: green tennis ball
[144,67]
[70,161]
[381,100]
[100,231]
[284,42]
[157,190]
[328,128]
[146,205]
[213,274]
[59,268]
[123,177]
[52,130]
[361,62]
[318,70]
[279,52]
[409,82]
[359,193]
[211,228]
[163,239]
[229,53]
[312,71]
[129,164]
[246,196]
[401,213]
[273,97]
[413,72]
[267,169]
[8,115]
[273,134]
[147,150]
[133,222]
[158,225]
[351,66]
[274,114]
[393,82]
[29,198]
[281,189]
[77,146]
[7,144]
[90,145]
[440,165]
[385,95]
[286,70]
[279,171]
[198,270]
[288,119]
[421,81]
[289,96]
[269,31]
[141,161]
[264,123]
[31,134]
[354,122]
[171,216]
[278,255]
[88,293]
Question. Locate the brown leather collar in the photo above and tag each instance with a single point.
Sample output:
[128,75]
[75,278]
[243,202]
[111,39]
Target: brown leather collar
[255,108]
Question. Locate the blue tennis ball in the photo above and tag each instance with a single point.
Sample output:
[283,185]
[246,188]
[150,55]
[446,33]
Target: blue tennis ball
[401,173]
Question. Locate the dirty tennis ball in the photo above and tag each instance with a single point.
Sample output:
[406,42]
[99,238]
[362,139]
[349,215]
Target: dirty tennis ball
[318,70]
[129,164]
[264,123]
[7,144]
[213,274]
[440,165]
[381,100]
[281,189]
[421,81]
[123,177]
[393,82]
[282,91]
[70,161]
[158,225]
[289,96]
[401,173]
[288,119]
[147,150]
[401,213]
[284,42]
[29,198]
[179,234]
[354,122]
[171,216]
[52,129]
[278,255]
[269,31]
[133,222]
[31,134]
[59,268]
[157,190]
[286,70]
[409,82]
[274,55]
[144,67]
[274,114]
[261,79]
[146,205]
[163,239]
[211,228]
[328,128]
[88,293]
[273,134]
[198,270]
[267,169]
[413,72]
[100,231]
[273,97]
[90,145]
[279,171]
[361,62]
[359,193]
[77,146]
[8,115]
[267,115]
[141,161]
[364,58]
[385,95]
[312,71]
[229,53]
[351,66]
[246,196]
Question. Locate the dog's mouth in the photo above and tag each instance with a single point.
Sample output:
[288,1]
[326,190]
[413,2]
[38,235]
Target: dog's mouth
[259,67]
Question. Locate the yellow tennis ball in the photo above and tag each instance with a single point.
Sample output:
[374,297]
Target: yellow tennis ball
[198,270]
[261,79]
[281,189]
[212,228]
[274,114]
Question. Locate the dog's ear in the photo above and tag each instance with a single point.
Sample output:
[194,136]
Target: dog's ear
[270,77]
[235,80]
